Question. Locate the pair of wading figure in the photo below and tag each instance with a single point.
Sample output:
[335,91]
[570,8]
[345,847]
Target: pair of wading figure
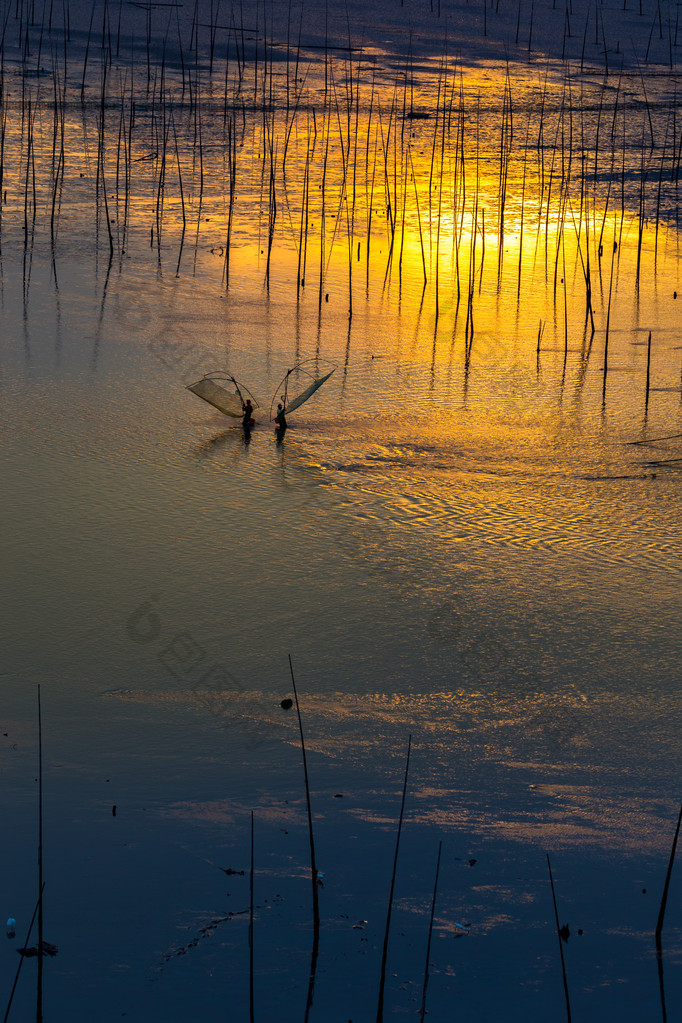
[247,421]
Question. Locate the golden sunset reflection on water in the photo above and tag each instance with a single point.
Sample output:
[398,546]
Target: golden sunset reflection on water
[482,197]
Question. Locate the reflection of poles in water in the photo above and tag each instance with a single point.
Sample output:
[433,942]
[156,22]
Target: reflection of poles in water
[100,319]
[661,985]
[230,442]
[207,446]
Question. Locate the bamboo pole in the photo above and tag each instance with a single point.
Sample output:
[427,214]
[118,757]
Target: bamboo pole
[422,1012]
[384,952]
[559,939]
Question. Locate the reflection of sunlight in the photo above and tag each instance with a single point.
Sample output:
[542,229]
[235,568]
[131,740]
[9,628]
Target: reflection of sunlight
[491,211]
[506,736]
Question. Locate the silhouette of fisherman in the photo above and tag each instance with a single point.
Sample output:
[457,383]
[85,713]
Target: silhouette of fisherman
[280,418]
[247,421]
[281,421]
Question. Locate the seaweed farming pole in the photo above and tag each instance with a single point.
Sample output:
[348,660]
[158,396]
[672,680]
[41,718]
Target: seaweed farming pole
[664,898]
[419,219]
[21,958]
[316,907]
[251,1000]
[561,950]
[313,864]
[303,232]
[537,351]
[605,367]
[661,915]
[39,987]
[384,954]
[648,375]
[428,943]
[440,185]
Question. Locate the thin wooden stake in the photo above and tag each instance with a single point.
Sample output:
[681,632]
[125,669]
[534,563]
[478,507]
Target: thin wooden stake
[251,1001]
[313,864]
[664,898]
[384,954]
[21,958]
[428,943]
[39,990]
[561,950]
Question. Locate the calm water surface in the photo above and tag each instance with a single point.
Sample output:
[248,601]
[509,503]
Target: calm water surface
[477,547]
[488,565]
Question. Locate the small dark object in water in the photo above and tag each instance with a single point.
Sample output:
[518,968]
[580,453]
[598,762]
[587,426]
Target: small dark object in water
[229,871]
[565,933]
[286,704]
[580,930]
[471,862]
[46,949]
[338,795]
[113,810]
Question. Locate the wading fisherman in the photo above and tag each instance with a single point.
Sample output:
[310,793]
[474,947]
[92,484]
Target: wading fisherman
[281,428]
[248,413]
[280,418]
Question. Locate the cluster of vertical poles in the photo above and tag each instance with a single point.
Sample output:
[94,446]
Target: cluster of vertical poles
[431,183]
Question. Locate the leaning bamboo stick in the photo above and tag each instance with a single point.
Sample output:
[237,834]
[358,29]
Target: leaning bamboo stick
[384,952]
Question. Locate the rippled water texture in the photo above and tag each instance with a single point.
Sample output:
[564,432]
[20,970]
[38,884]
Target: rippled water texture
[469,536]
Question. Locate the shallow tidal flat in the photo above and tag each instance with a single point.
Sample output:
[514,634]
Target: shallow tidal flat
[468,539]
